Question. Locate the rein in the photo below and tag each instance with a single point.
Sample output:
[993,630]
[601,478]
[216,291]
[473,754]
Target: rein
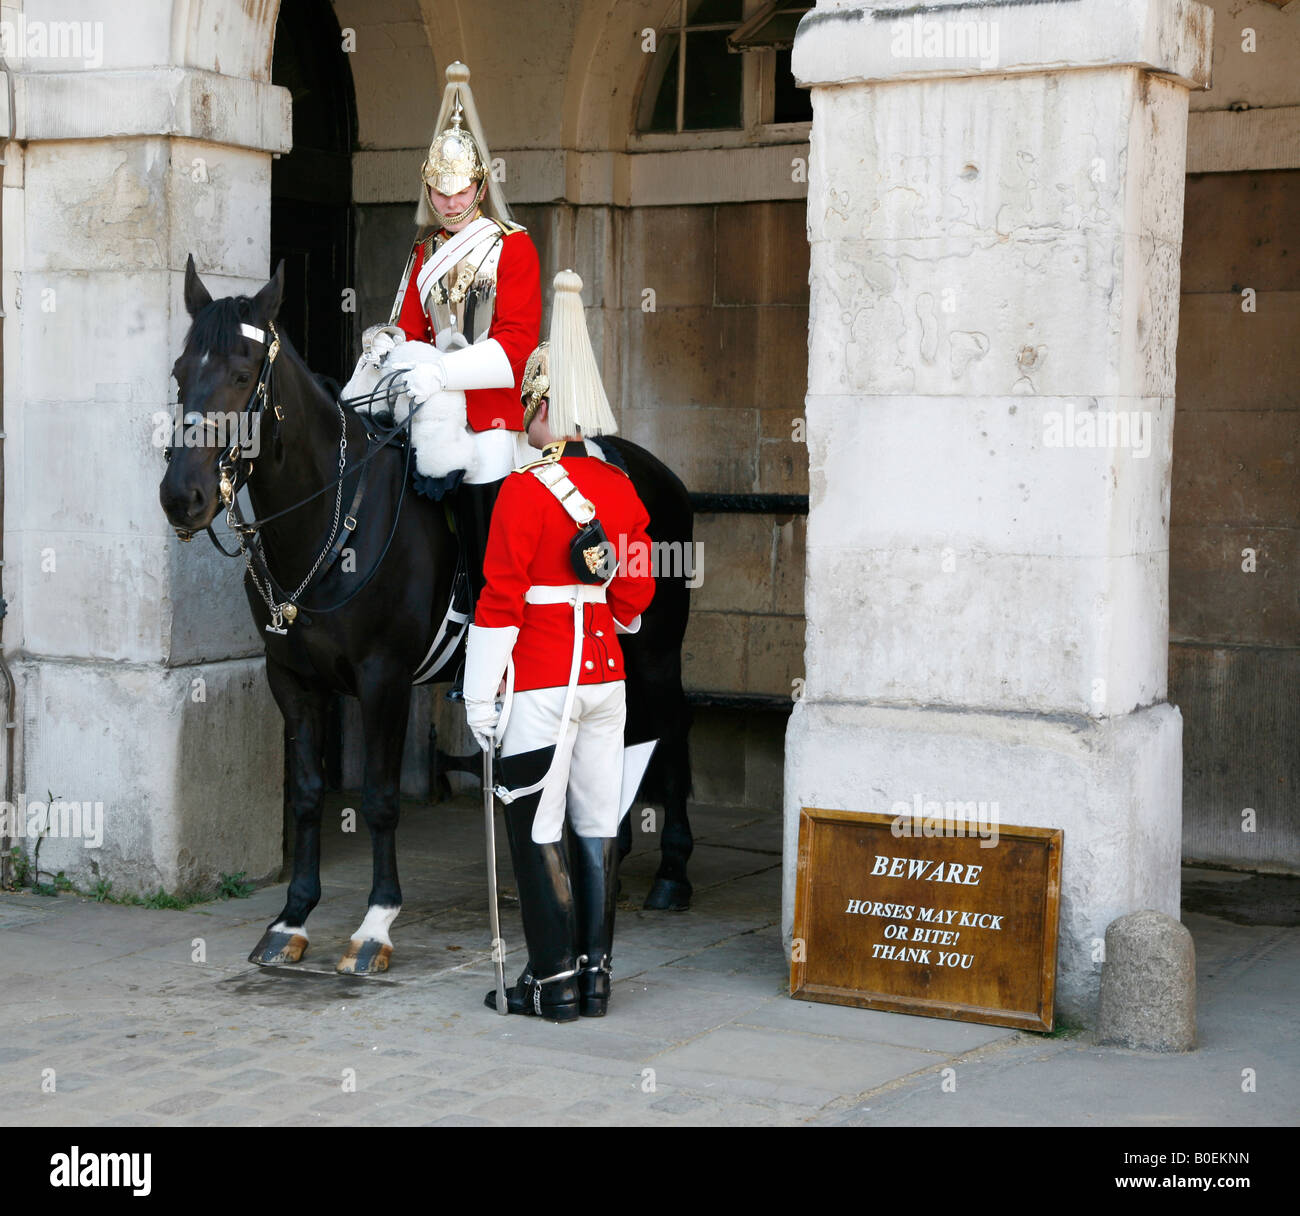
[233,475]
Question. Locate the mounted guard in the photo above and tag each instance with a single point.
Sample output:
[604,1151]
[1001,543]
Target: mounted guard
[467,313]
[559,589]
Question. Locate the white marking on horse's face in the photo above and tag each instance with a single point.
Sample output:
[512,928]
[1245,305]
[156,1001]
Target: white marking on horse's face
[281,926]
[376,925]
[203,359]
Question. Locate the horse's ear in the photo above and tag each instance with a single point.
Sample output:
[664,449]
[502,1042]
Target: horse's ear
[196,295]
[266,304]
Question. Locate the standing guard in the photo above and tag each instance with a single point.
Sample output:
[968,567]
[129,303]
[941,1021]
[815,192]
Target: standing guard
[558,590]
[467,314]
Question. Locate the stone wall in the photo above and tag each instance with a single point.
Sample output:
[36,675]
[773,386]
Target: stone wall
[1235,632]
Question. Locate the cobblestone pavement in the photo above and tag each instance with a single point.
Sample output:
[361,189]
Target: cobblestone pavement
[110,1004]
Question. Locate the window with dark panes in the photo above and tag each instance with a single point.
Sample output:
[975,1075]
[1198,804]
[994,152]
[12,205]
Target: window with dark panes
[791,103]
[695,83]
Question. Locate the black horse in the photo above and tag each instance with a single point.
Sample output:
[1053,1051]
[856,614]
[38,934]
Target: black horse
[366,624]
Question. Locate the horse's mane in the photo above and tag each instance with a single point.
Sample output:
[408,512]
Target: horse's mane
[215,331]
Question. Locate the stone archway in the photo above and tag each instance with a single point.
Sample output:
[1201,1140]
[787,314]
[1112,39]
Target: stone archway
[232,40]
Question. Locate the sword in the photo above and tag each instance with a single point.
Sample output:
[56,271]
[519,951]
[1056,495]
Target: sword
[494,912]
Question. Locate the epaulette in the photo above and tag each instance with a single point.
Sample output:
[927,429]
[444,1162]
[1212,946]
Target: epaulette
[507,227]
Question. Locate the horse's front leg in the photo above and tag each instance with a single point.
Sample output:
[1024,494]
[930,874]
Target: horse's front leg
[304,710]
[385,696]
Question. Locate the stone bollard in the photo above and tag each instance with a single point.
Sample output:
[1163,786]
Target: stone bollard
[1148,984]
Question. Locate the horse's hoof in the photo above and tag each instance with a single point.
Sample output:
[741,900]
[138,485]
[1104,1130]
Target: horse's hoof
[278,948]
[668,895]
[364,957]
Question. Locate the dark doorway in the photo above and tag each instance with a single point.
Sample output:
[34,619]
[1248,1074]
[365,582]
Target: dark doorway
[311,187]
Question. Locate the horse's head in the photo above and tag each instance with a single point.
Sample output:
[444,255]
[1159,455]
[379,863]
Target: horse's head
[218,375]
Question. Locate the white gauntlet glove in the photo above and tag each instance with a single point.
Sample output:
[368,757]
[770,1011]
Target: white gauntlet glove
[381,348]
[377,343]
[422,380]
[487,654]
[482,717]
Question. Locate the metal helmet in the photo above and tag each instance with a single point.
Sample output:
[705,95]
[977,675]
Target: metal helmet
[454,162]
[535,386]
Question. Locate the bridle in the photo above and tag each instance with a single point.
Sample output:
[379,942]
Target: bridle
[235,467]
[230,466]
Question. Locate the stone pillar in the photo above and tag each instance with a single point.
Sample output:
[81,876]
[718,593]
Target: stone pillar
[140,674]
[995,212]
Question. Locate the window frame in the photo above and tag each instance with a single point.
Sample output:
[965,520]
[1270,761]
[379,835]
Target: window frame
[757,100]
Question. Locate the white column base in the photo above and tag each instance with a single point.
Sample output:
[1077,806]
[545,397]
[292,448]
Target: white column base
[190,788]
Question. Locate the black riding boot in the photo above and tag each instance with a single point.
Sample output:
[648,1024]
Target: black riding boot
[595,891]
[471,507]
[549,984]
[473,511]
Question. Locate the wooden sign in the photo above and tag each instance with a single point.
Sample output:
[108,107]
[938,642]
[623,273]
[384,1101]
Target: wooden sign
[927,923]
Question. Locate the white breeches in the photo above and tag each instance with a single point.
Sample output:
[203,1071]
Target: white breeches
[587,775]
[497,453]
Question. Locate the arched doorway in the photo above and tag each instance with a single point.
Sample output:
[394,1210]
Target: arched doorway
[311,187]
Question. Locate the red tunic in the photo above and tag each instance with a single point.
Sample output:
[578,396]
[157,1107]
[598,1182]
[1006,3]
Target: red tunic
[516,324]
[528,545]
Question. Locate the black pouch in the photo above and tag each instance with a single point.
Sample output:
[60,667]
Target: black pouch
[592,554]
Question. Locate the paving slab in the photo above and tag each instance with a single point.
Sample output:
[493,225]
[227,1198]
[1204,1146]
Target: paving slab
[802,1067]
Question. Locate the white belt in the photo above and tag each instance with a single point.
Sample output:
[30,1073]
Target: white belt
[574,593]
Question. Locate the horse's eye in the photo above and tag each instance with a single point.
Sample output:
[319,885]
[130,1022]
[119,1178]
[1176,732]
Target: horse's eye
[242,379]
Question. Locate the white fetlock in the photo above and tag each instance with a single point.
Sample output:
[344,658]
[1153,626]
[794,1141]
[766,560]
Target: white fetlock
[376,925]
[282,926]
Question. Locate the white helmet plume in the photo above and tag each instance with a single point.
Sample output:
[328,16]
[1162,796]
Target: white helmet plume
[577,396]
